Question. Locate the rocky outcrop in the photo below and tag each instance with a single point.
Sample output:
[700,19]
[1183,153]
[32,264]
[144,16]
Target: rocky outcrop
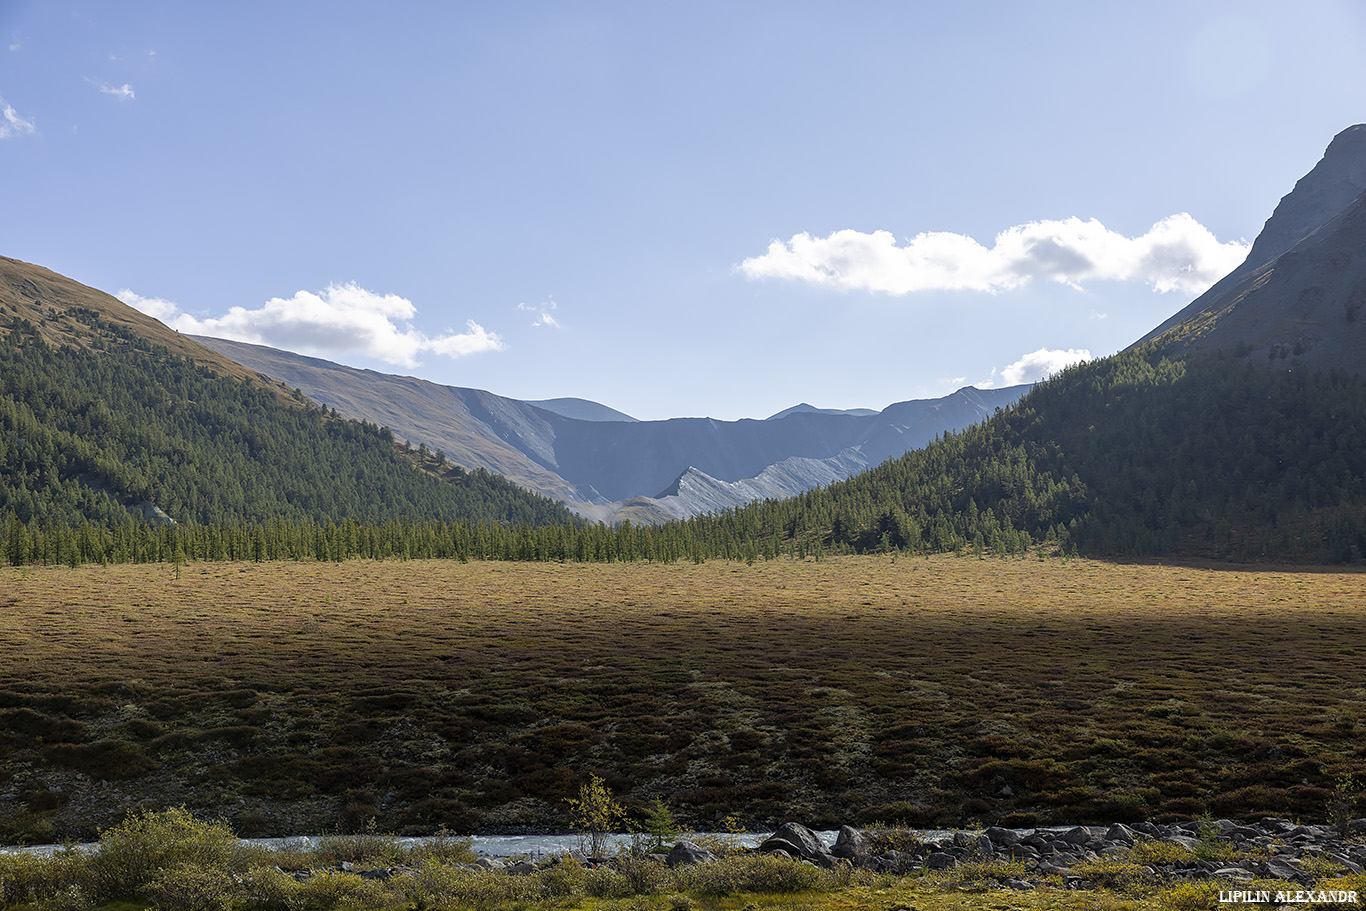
[1299,299]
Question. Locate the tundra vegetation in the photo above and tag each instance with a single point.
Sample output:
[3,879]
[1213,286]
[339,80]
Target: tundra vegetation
[171,861]
[941,691]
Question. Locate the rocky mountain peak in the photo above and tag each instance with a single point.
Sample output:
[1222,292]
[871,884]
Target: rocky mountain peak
[1337,180]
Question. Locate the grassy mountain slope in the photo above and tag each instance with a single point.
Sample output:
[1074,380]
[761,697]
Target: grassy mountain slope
[102,408]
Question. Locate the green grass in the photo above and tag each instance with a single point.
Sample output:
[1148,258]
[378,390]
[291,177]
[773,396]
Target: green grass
[289,698]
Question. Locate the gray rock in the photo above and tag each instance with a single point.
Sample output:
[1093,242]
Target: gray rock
[1278,869]
[893,862]
[849,843]
[1078,835]
[1121,833]
[686,852]
[1002,837]
[806,844]
[941,860]
[1185,841]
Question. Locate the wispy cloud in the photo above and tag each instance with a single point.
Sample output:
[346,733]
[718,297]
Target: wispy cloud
[543,313]
[121,92]
[1036,366]
[11,124]
[343,319]
[1176,254]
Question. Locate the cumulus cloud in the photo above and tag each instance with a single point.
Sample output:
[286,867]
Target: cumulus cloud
[343,319]
[11,124]
[1037,365]
[543,314]
[121,92]
[1176,254]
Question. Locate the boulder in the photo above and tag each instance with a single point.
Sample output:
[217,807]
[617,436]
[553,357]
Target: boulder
[686,852]
[941,860]
[849,844]
[1002,837]
[801,841]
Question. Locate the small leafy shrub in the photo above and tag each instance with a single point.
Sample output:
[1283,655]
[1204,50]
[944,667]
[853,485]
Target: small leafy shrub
[28,877]
[605,882]
[1341,804]
[186,887]
[1160,852]
[980,873]
[1319,867]
[1191,896]
[881,839]
[1356,882]
[595,813]
[439,885]
[444,846]
[563,879]
[644,875]
[365,847]
[753,873]
[266,889]
[725,843]
[333,889]
[131,855]
[1115,871]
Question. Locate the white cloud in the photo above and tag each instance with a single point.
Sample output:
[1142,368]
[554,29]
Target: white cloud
[343,319]
[121,92]
[1036,366]
[11,124]
[1177,254]
[543,316]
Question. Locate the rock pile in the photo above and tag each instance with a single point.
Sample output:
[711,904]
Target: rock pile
[1226,850]
[1222,850]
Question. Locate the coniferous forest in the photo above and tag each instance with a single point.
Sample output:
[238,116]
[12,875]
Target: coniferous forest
[86,432]
[1135,455]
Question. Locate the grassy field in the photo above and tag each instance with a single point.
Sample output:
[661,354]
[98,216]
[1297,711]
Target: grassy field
[944,691]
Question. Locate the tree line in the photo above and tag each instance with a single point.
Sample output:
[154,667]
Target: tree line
[1134,455]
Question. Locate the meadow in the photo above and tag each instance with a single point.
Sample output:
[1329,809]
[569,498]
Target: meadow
[948,691]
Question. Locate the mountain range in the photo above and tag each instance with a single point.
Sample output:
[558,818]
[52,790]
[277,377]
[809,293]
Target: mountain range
[609,466]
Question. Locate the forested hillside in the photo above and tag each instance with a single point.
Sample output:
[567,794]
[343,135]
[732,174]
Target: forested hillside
[89,429]
[1133,455]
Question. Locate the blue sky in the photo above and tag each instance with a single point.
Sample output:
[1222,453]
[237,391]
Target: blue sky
[672,208]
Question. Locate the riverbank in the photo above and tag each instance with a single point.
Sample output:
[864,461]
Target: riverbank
[171,862]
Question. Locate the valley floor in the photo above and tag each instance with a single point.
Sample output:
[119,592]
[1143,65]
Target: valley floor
[292,697]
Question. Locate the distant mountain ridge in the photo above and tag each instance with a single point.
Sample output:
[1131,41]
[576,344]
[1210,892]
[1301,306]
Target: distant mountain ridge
[610,469]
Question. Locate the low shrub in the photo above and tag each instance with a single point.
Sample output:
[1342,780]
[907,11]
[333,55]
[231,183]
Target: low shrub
[644,875]
[752,873]
[979,874]
[132,855]
[1160,852]
[187,887]
[1115,871]
[1191,896]
[438,884]
[334,889]
[29,877]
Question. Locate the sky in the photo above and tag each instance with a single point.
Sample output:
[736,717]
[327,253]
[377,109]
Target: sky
[675,209]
